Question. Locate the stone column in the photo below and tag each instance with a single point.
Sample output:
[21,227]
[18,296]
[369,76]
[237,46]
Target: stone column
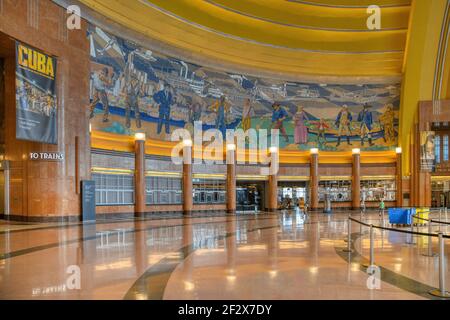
[399,179]
[188,202]
[139,173]
[356,179]
[231,178]
[314,182]
[273,180]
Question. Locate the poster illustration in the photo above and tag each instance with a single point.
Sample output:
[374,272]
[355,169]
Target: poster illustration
[135,89]
[427,151]
[36,114]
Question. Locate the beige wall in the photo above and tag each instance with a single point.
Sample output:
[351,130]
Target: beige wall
[44,189]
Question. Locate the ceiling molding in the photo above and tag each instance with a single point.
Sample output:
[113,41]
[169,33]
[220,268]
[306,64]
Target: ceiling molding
[226,65]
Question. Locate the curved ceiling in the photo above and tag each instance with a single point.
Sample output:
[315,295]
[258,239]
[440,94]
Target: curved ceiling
[311,37]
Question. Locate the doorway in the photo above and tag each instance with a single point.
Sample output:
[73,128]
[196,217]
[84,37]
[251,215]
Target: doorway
[291,193]
[249,196]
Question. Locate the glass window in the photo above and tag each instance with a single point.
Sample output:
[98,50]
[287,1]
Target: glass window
[208,191]
[445,148]
[377,189]
[112,189]
[339,191]
[163,190]
[437,148]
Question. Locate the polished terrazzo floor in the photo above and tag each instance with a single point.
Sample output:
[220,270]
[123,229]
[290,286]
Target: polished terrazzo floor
[249,256]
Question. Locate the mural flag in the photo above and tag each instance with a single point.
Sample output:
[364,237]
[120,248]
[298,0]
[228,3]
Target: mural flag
[36,116]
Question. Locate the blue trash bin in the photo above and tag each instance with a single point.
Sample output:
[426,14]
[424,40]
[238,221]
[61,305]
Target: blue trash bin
[401,215]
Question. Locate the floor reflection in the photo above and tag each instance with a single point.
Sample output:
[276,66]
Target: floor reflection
[288,255]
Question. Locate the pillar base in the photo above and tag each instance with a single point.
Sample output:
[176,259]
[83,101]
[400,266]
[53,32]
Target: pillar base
[438,293]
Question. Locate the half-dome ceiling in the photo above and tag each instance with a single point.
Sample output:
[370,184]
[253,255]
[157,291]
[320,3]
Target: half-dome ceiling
[313,37]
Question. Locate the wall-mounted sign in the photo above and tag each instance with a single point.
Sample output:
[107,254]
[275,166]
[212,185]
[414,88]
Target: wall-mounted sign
[88,200]
[427,151]
[47,156]
[35,95]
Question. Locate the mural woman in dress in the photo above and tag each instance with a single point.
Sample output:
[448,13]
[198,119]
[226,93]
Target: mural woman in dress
[301,131]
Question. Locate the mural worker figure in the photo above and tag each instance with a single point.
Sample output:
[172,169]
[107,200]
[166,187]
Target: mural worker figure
[165,100]
[101,82]
[365,117]
[343,123]
[387,123]
[133,91]
[322,127]
[220,108]
[247,115]
[279,114]
[301,131]
[194,115]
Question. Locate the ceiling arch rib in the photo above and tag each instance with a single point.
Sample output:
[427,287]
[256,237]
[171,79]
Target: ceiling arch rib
[207,30]
[355,3]
[307,16]
[203,14]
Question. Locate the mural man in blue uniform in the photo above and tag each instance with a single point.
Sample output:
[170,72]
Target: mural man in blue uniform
[365,117]
[279,114]
[165,100]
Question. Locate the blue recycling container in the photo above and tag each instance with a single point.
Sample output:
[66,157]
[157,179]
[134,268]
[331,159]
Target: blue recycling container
[401,215]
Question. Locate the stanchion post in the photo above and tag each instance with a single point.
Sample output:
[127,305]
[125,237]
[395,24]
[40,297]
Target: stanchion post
[372,262]
[441,292]
[412,234]
[349,236]
[440,219]
[346,238]
[371,249]
[430,242]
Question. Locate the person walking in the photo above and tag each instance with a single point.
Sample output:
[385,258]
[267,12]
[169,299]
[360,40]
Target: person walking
[382,207]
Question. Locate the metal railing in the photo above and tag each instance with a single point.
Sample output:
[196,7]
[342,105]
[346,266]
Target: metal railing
[441,292]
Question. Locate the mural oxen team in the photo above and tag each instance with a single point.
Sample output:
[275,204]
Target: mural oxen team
[161,98]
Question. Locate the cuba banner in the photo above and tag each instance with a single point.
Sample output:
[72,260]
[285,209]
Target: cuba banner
[36,104]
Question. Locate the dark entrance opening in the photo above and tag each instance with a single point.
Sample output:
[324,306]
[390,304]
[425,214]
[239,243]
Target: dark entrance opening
[249,196]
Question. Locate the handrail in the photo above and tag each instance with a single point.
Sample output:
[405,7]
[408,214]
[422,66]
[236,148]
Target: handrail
[431,220]
[441,292]
[399,230]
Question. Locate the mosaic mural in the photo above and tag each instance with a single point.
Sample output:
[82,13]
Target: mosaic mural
[135,89]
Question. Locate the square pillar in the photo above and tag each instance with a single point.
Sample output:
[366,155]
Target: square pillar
[314,183]
[356,179]
[139,174]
